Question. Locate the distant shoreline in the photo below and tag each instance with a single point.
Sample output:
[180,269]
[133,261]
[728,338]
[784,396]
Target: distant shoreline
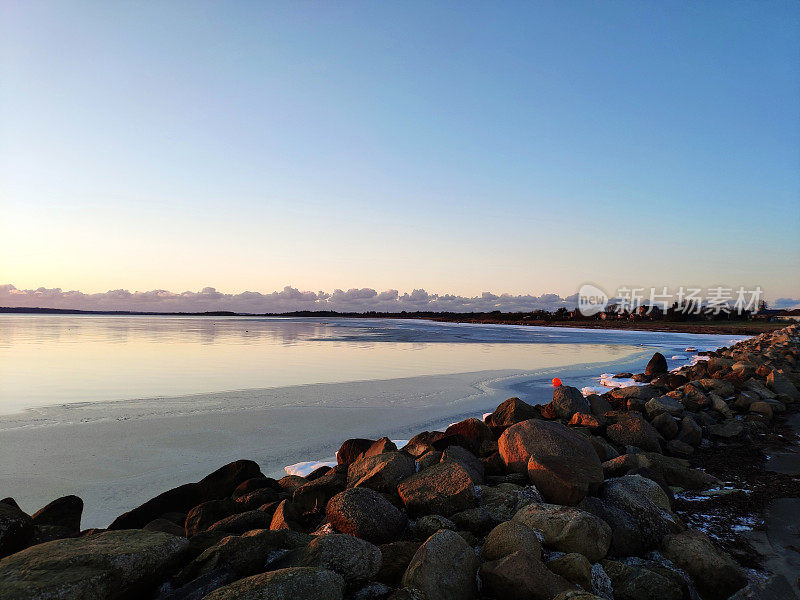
[733,327]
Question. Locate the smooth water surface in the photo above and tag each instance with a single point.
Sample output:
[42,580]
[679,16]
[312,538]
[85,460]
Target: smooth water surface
[50,360]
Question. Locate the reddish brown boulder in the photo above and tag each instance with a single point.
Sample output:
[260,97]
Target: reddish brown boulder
[382,472]
[366,514]
[562,463]
[510,412]
[443,489]
[633,430]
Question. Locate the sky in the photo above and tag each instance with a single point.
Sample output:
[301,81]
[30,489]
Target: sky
[451,147]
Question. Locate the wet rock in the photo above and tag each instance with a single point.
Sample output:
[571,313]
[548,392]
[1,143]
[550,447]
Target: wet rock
[656,365]
[716,576]
[443,489]
[444,568]
[295,582]
[109,565]
[366,514]
[568,529]
[509,537]
[522,576]
[561,463]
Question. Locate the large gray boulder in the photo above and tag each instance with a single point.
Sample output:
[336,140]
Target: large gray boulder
[109,565]
[521,576]
[568,529]
[444,568]
[442,489]
[716,576]
[309,583]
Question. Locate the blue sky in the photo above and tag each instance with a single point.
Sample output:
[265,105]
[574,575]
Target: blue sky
[457,147]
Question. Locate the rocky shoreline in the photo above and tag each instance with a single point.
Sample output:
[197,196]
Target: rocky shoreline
[653,491]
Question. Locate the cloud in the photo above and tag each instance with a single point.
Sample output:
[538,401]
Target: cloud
[786,303]
[286,300]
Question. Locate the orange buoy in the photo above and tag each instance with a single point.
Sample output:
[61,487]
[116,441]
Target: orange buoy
[556,382]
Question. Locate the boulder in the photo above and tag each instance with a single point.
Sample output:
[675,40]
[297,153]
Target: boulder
[63,512]
[510,412]
[109,565]
[219,484]
[428,460]
[567,401]
[639,583]
[443,489]
[243,522]
[286,517]
[473,429]
[467,460]
[381,472]
[690,432]
[761,408]
[647,504]
[716,576]
[728,429]
[259,497]
[675,471]
[255,483]
[574,568]
[395,558]
[443,568]
[366,514]
[679,449]
[665,425]
[626,538]
[295,582]
[352,449]
[204,515]
[780,384]
[663,404]
[521,576]
[598,405]
[353,558]
[422,443]
[560,462]
[638,392]
[568,529]
[509,537]
[427,525]
[634,430]
[314,495]
[656,366]
[16,528]
[239,556]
